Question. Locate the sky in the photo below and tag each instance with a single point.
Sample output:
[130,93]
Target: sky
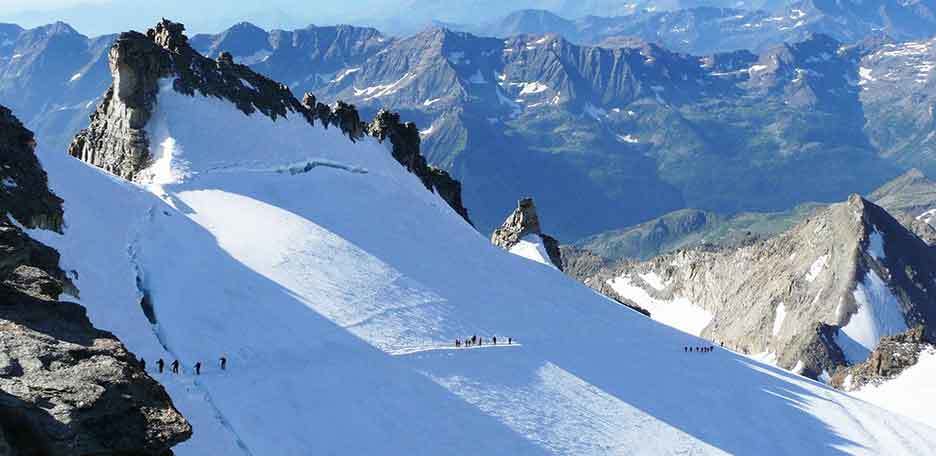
[98,17]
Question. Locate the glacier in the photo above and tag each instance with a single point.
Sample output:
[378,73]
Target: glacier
[336,297]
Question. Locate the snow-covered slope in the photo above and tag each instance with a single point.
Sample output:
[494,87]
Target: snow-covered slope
[908,393]
[335,284]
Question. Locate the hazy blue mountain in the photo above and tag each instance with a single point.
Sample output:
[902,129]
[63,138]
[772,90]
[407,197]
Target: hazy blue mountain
[51,76]
[704,29]
[604,138]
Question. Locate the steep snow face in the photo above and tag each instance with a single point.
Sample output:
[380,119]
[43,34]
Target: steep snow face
[335,285]
[911,394]
[878,315]
[531,247]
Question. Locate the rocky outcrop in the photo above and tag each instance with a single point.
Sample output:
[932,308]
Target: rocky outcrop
[405,142]
[524,222]
[116,139]
[893,355]
[24,190]
[792,297]
[66,388]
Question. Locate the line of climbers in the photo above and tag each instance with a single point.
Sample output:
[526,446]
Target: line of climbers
[175,366]
[475,340]
[699,349]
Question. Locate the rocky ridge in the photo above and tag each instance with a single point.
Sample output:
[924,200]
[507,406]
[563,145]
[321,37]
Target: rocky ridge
[116,140]
[66,387]
[791,298]
[521,224]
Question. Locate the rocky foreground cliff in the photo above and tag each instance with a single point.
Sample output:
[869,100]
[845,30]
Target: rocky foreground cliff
[814,299]
[66,387]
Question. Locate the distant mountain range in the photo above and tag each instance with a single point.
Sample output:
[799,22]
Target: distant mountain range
[603,137]
[707,27]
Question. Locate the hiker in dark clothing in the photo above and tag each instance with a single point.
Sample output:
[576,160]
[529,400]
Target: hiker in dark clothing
[457,343]
[509,340]
[175,367]
[494,339]
[198,368]
[223,363]
[160,364]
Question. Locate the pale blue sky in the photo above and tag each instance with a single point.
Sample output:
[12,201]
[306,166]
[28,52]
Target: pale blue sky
[96,17]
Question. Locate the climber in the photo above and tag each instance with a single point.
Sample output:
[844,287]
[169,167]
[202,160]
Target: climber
[160,364]
[510,341]
[198,368]
[494,339]
[223,363]
[175,367]
[457,343]
[143,364]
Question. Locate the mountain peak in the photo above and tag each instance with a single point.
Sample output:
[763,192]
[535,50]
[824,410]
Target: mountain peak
[170,35]
[815,298]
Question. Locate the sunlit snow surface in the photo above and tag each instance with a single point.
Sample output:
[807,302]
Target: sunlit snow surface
[912,393]
[531,247]
[333,292]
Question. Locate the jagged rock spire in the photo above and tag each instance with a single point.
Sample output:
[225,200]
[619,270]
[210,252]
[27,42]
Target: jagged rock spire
[523,222]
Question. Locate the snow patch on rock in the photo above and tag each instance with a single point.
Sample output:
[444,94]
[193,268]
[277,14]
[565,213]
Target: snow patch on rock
[679,313]
[779,316]
[817,267]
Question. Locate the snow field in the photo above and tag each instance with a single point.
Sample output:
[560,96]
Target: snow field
[323,287]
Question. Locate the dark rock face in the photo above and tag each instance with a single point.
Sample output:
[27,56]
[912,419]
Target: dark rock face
[24,187]
[524,221]
[116,140]
[66,388]
[893,355]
